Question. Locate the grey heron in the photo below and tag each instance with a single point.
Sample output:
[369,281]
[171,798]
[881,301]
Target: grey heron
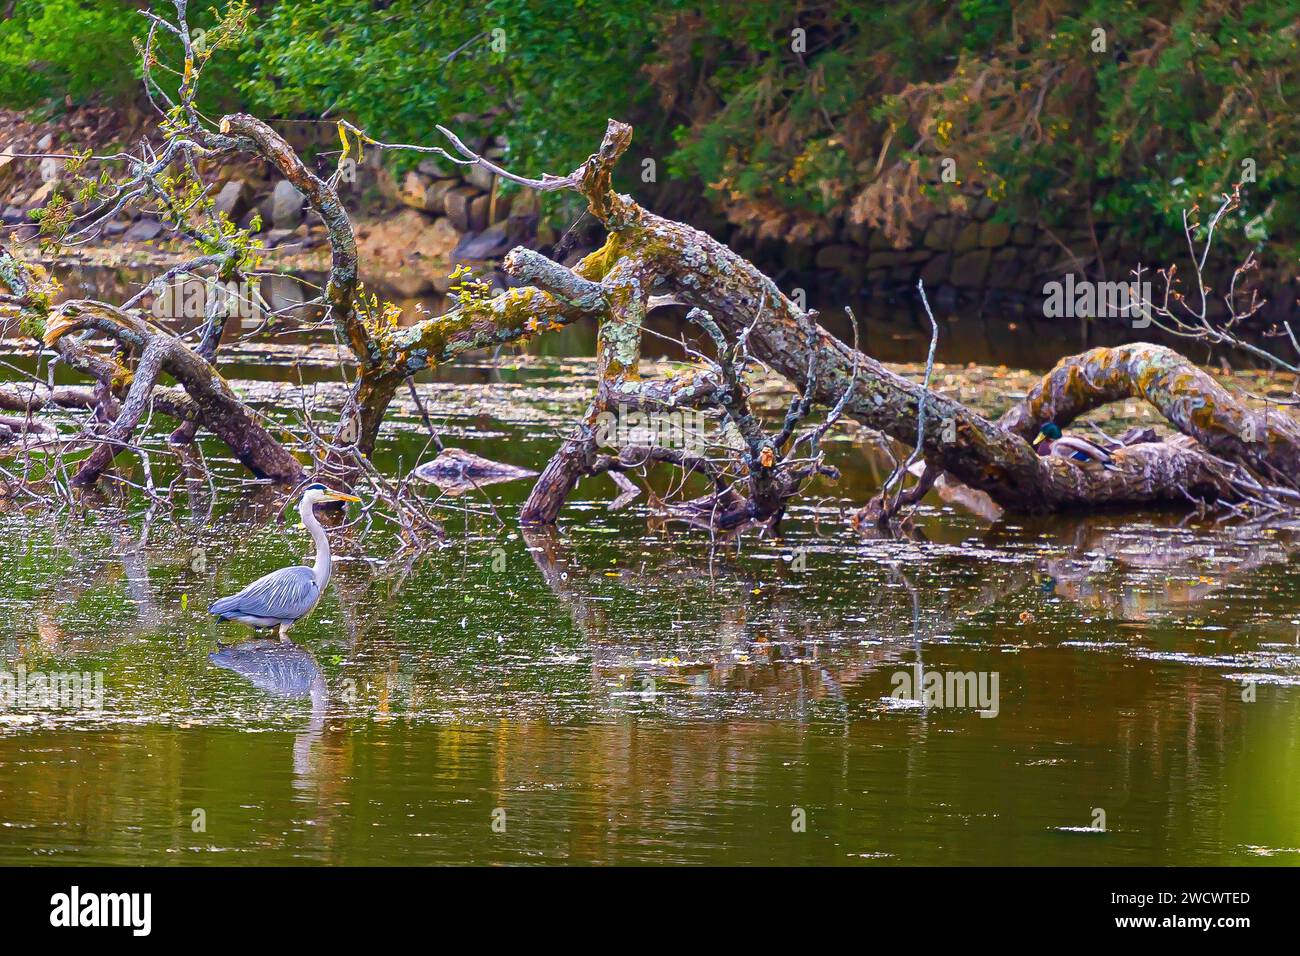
[283,597]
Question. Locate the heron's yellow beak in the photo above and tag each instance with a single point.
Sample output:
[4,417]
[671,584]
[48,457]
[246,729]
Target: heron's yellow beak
[56,329]
[1040,437]
[340,496]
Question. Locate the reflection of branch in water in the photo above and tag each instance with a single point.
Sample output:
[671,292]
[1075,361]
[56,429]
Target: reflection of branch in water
[200,486]
[131,551]
[1151,571]
[918,666]
[91,566]
[776,644]
[367,588]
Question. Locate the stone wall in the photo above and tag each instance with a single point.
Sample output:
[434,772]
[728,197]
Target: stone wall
[978,257]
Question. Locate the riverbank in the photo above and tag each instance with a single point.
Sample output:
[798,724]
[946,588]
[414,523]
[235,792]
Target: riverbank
[415,226]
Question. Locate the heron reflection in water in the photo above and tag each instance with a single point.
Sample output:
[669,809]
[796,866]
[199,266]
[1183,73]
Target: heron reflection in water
[283,669]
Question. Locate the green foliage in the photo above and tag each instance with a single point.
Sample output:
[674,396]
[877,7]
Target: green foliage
[86,50]
[544,74]
[988,22]
[63,47]
[1036,118]
[1220,94]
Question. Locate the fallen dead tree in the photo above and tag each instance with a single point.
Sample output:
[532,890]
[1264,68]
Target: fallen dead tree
[652,255]
[1228,453]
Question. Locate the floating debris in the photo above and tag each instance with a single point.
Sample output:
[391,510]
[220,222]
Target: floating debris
[456,471]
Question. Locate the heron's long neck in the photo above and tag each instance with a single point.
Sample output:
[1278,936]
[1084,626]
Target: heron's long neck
[321,569]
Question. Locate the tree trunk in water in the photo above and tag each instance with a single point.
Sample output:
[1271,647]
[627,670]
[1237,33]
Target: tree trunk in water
[213,402]
[618,359]
[358,427]
[996,458]
[120,432]
[1267,441]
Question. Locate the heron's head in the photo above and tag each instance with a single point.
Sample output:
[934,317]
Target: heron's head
[315,493]
[1048,431]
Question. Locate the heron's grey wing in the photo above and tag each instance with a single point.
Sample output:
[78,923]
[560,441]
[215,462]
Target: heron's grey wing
[284,595]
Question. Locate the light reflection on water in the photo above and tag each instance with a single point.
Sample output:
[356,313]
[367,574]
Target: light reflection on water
[627,693]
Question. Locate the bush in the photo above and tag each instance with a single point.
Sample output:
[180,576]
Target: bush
[86,51]
[545,75]
[847,125]
[64,48]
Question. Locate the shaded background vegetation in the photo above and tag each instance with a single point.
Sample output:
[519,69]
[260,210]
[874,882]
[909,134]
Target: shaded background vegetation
[844,132]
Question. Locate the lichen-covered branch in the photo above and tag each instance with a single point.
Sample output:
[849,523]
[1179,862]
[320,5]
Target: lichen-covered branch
[1227,445]
[220,410]
[251,134]
[695,269]
[1266,440]
[120,432]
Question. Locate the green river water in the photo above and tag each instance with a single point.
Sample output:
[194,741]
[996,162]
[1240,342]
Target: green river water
[613,692]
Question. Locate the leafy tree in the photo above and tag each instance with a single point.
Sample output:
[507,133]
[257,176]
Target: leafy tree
[62,47]
[789,118]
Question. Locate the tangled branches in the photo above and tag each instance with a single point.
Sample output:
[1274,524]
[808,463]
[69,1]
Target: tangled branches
[1231,454]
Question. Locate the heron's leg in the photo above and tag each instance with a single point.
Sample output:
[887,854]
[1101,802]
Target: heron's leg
[284,630]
